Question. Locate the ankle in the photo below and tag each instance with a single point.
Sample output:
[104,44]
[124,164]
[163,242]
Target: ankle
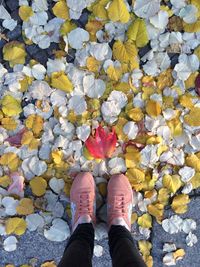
[82,219]
[119,221]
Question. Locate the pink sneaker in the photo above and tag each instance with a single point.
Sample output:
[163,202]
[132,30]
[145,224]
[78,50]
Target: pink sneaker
[82,197]
[120,201]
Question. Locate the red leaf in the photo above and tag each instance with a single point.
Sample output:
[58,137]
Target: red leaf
[197,84]
[15,140]
[103,144]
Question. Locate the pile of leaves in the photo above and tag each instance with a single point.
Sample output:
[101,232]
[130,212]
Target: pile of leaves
[120,93]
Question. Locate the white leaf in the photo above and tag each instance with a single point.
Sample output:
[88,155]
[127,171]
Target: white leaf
[38,71]
[10,243]
[77,37]
[93,88]
[191,239]
[146,8]
[173,224]
[119,97]
[37,166]
[188,13]
[169,247]
[40,90]
[59,231]
[83,132]
[149,156]
[40,5]
[10,205]
[39,18]
[160,20]
[169,260]
[117,165]
[186,173]
[100,51]
[130,129]
[4,13]
[34,221]
[188,225]
[98,250]
[78,104]
[56,185]
[9,24]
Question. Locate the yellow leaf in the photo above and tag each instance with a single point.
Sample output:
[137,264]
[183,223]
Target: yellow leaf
[137,32]
[25,206]
[15,226]
[119,128]
[136,178]
[124,52]
[195,181]
[144,247]
[60,81]
[165,79]
[57,156]
[25,12]
[173,183]
[38,186]
[14,52]
[60,10]
[153,108]
[92,27]
[193,27]
[193,118]
[35,123]
[9,124]
[190,82]
[11,160]
[193,161]
[48,264]
[29,140]
[135,114]
[163,196]
[5,181]
[118,12]
[186,101]
[148,260]
[145,221]
[133,217]
[179,203]
[114,73]
[99,9]
[10,106]
[179,253]
[102,189]
[92,64]
[175,126]
[156,210]
[67,27]
[132,158]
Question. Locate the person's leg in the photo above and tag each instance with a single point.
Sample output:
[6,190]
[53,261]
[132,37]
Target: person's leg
[119,209]
[122,248]
[79,249]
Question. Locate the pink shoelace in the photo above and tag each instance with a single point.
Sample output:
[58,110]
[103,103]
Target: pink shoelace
[85,204]
[119,206]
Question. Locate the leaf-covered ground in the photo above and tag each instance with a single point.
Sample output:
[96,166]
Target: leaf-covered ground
[127,71]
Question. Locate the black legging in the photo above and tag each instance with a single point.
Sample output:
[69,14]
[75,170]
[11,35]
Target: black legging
[79,250]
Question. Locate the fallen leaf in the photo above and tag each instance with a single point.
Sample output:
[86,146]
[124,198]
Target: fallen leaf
[11,106]
[35,123]
[118,12]
[102,144]
[14,52]
[38,186]
[153,108]
[9,124]
[15,226]
[172,183]
[193,118]
[145,221]
[61,10]
[25,206]
[59,80]
[137,32]
[25,12]
[179,203]
[124,52]
[11,160]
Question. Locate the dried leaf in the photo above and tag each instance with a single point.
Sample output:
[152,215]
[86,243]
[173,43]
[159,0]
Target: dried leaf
[118,12]
[179,203]
[35,123]
[25,206]
[38,186]
[14,52]
[11,106]
[15,226]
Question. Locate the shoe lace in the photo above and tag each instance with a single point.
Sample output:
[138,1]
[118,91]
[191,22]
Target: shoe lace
[85,206]
[119,205]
